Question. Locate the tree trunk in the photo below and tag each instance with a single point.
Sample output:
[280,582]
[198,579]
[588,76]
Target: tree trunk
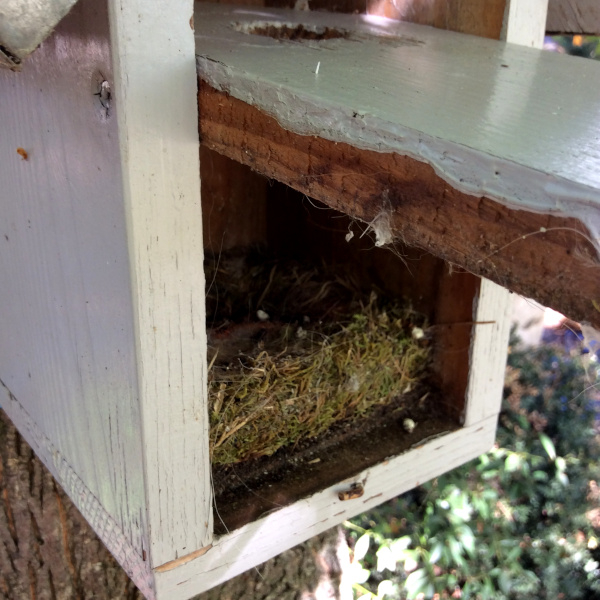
[49,552]
[47,549]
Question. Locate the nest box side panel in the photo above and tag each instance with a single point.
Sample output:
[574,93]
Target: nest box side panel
[258,541]
[155,97]
[67,361]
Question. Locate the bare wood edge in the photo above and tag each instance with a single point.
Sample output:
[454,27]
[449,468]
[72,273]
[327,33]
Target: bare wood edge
[100,520]
[254,543]
[539,256]
[174,564]
[488,352]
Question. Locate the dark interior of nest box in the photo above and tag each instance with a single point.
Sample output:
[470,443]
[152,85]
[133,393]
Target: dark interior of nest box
[243,211]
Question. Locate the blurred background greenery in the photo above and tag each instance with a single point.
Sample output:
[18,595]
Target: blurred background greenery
[521,521]
[587,46]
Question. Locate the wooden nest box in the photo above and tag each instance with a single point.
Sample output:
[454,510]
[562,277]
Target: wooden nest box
[355,171]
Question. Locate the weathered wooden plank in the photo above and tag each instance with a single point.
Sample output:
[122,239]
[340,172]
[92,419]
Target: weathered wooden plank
[525,22]
[539,256]
[252,544]
[574,16]
[102,247]
[488,353]
[159,152]
[493,143]
[67,354]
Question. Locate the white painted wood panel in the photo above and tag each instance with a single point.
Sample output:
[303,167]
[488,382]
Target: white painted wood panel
[525,22]
[488,353]
[67,349]
[156,105]
[524,25]
[102,361]
[426,93]
[250,545]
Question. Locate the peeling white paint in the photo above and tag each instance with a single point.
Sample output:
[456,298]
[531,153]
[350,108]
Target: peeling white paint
[518,125]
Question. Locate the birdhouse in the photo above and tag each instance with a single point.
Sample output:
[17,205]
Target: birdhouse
[255,261]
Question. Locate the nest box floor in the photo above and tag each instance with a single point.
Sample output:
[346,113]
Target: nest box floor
[313,377]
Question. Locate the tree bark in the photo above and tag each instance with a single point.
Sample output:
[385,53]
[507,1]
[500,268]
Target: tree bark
[47,549]
[49,552]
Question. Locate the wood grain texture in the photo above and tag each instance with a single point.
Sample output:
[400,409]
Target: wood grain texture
[159,153]
[558,267]
[464,16]
[525,22]
[47,549]
[67,352]
[248,546]
[233,203]
[574,16]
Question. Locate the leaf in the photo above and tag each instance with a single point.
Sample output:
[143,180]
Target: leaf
[504,582]
[385,588]
[456,551]
[399,548]
[548,445]
[361,547]
[385,559]
[513,462]
[436,552]
[467,539]
[357,574]
[417,583]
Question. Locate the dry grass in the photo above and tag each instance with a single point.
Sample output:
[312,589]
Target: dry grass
[297,380]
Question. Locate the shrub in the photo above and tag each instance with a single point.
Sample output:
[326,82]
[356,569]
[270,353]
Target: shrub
[517,522]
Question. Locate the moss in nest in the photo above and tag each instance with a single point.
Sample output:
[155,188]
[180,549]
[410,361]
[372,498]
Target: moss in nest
[293,382]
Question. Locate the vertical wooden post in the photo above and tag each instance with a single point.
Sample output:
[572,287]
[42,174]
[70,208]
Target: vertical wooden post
[155,96]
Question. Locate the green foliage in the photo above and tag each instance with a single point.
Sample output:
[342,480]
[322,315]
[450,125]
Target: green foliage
[510,525]
[587,46]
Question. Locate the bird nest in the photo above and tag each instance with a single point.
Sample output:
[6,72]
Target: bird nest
[295,349]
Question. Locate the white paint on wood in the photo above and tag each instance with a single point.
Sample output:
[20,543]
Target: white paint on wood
[155,91]
[525,22]
[488,352]
[25,24]
[256,542]
[524,25]
[101,281]
[426,93]
[67,350]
